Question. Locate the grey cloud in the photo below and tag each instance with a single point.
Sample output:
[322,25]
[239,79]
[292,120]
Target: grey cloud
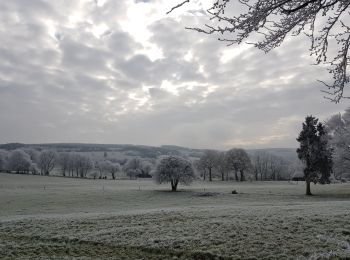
[75,87]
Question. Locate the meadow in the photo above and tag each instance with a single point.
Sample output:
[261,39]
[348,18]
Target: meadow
[66,218]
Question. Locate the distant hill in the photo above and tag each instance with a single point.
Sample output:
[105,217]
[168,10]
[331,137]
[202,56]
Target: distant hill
[141,150]
[12,146]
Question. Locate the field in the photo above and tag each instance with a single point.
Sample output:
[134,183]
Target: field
[63,218]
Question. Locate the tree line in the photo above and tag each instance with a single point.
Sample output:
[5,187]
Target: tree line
[238,165]
[72,164]
[234,164]
[324,152]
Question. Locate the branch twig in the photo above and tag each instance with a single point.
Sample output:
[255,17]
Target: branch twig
[177,6]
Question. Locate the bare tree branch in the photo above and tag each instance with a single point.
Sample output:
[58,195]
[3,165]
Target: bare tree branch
[177,6]
[323,21]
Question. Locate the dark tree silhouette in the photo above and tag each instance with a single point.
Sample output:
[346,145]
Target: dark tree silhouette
[325,22]
[314,152]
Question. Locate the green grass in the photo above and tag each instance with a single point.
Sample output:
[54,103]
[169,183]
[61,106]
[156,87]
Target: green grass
[61,218]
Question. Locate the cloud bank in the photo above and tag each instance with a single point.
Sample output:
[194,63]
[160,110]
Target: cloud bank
[125,72]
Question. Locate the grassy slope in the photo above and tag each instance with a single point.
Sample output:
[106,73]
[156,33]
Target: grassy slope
[58,218]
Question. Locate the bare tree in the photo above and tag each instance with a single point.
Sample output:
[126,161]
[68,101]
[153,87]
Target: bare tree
[325,22]
[278,168]
[175,170]
[267,166]
[47,161]
[83,165]
[222,165]
[80,164]
[71,163]
[101,166]
[64,161]
[239,161]
[199,167]
[260,165]
[208,161]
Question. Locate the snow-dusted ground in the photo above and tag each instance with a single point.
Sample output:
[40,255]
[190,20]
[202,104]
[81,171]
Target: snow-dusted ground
[61,218]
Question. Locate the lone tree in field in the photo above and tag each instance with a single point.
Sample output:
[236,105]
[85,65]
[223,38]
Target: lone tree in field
[175,170]
[315,153]
[325,22]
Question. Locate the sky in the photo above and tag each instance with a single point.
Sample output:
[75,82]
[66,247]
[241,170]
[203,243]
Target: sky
[125,72]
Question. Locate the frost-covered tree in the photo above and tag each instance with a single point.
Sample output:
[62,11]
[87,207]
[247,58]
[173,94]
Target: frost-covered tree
[260,165]
[239,162]
[338,128]
[314,152]
[133,167]
[33,168]
[267,166]
[33,154]
[325,158]
[3,159]
[207,162]
[325,22]
[47,160]
[78,164]
[112,168]
[146,169]
[82,164]
[222,165]
[278,168]
[174,169]
[64,161]
[101,166]
[19,161]
[71,163]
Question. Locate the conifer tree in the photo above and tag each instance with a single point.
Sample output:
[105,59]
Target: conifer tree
[314,152]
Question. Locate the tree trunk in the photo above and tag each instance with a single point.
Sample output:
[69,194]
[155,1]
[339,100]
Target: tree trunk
[210,179]
[236,175]
[222,176]
[174,185]
[308,190]
[242,176]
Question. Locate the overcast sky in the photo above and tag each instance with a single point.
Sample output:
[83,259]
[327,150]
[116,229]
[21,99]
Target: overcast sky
[115,71]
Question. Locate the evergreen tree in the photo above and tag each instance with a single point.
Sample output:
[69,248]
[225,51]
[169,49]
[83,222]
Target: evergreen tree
[314,152]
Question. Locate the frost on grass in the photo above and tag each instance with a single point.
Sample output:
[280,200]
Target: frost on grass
[240,232]
[265,221]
